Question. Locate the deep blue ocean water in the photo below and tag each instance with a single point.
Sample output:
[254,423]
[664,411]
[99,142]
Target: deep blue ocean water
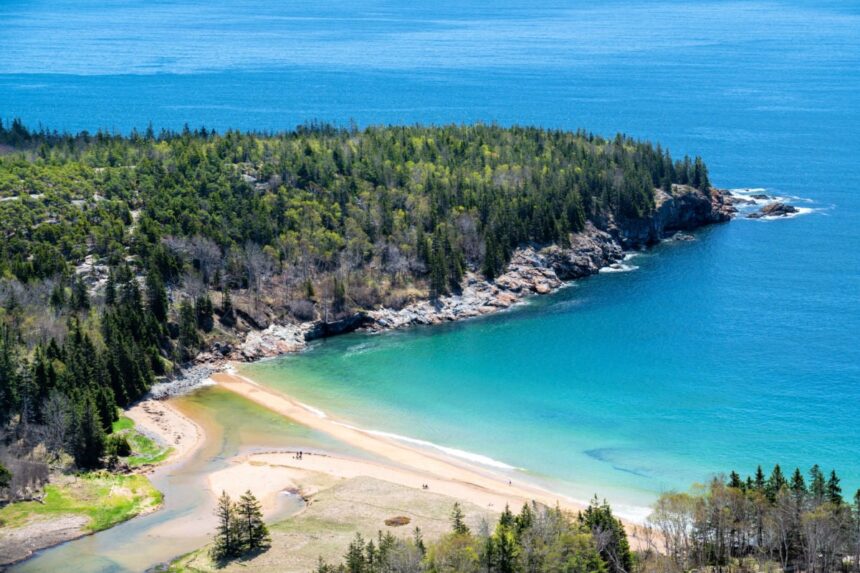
[737,349]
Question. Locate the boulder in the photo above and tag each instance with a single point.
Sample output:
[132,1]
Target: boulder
[776,209]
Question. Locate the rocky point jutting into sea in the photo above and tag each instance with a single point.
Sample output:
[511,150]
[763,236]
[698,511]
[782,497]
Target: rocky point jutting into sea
[533,269]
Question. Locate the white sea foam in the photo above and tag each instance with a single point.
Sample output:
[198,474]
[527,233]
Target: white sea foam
[800,211]
[748,190]
[618,268]
[635,513]
[315,411]
[457,453]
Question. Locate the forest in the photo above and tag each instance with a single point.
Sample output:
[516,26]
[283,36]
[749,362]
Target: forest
[124,256]
[776,523]
[537,539]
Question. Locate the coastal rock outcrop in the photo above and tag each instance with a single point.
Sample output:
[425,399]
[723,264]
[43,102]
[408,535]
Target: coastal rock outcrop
[275,339]
[532,269]
[774,210]
[683,209]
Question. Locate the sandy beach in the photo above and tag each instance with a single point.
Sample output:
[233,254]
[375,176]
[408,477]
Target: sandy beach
[161,421]
[403,464]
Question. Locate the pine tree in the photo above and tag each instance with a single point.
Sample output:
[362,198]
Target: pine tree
[80,297]
[188,337]
[775,483]
[355,560]
[834,490]
[5,477]
[203,312]
[418,537]
[227,543]
[228,314]
[817,485]
[615,552]
[759,481]
[110,289]
[254,533]
[87,435]
[735,480]
[156,295]
[458,523]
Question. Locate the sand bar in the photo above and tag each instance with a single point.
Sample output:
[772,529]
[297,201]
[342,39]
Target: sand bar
[410,466]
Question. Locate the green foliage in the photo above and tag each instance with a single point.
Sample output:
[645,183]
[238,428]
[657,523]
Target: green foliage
[105,499]
[538,539]
[315,194]
[240,528]
[609,531]
[340,213]
[458,524]
[766,519]
[5,476]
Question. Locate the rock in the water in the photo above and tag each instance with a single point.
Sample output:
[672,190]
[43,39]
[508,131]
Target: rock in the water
[774,210]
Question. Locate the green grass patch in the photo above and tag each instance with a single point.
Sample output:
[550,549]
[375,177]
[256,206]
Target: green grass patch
[144,450]
[123,424]
[106,499]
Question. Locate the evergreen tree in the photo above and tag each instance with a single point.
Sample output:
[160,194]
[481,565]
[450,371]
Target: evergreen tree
[203,312]
[86,434]
[228,314]
[355,558]
[817,484]
[253,531]
[834,491]
[5,477]
[775,483]
[615,552]
[156,296]
[9,375]
[188,337]
[227,538]
[110,289]
[80,299]
[458,523]
[735,480]
[418,537]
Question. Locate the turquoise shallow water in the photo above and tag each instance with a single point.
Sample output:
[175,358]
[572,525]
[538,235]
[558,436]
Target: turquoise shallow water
[737,349]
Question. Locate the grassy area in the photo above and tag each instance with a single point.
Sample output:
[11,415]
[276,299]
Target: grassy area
[328,524]
[144,450]
[106,499]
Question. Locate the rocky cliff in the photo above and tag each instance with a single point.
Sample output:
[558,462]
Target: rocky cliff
[533,269]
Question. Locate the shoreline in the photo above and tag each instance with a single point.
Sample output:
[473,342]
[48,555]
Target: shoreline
[453,476]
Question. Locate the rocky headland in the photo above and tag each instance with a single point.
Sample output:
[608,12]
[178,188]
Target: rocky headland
[532,270]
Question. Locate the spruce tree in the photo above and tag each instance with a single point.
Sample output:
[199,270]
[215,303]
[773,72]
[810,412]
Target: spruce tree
[5,477]
[156,295]
[227,543]
[110,289]
[228,314]
[188,337]
[834,490]
[87,435]
[615,552]
[203,312]
[254,533]
[458,523]
[817,485]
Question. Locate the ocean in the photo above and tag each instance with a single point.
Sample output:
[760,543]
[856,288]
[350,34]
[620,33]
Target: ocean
[737,349]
